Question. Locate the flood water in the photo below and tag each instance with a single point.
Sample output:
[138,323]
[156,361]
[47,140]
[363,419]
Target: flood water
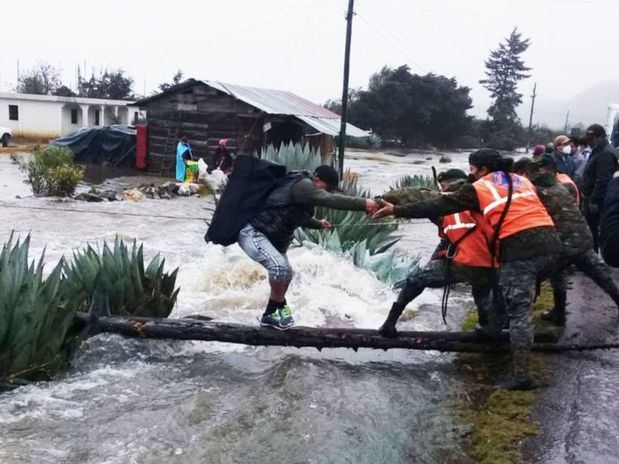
[153,401]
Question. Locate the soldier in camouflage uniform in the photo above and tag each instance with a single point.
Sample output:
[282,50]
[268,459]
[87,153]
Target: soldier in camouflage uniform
[439,272]
[527,251]
[575,236]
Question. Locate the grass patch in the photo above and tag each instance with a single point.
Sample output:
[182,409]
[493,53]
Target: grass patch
[499,420]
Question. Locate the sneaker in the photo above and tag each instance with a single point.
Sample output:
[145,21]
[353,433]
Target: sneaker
[273,320]
[286,316]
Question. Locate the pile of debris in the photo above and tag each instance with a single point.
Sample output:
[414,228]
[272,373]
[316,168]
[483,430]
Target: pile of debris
[165,191]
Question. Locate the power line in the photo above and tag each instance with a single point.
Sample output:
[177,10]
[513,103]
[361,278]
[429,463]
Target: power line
[225,36]
[393,44]
[392,32]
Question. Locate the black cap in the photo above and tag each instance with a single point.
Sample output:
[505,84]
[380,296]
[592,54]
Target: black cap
[596,130]
[521,166]
[485,157]
[546,162]
[451,174]
[328,175]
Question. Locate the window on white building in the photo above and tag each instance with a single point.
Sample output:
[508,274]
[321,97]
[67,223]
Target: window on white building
[97,117]
[13,113]
[73,115]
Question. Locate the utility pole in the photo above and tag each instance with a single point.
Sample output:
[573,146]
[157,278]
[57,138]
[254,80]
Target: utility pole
[531,117]
[567,119]
[344,115]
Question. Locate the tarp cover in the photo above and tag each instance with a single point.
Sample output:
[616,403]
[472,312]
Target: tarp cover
[94,145]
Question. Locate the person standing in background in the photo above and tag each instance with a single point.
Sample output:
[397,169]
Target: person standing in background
[598,172]
[222,159]
[181,148]
[563,156]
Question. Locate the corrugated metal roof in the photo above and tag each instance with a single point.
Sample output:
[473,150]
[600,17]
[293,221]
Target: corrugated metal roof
[274,101]
[331,126]
[282,102]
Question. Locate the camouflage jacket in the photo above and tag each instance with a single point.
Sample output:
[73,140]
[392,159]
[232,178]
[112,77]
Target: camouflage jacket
[575,235]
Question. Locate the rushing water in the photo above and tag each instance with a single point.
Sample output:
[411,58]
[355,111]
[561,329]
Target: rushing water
[139,401]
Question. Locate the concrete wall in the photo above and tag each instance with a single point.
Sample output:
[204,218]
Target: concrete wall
[46,117]
[36,119]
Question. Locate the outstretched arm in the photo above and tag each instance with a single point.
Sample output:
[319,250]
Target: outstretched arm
[463,199]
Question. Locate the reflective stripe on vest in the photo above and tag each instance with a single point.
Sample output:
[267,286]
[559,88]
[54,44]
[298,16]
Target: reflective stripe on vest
[565,179]
[526,211]
[498,200]
[472,249]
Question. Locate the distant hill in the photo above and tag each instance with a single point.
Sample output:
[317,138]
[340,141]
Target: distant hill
[585,107]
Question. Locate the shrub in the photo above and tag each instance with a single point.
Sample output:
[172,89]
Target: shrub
[120,276]
[424,182]
[52,171]
[34,317]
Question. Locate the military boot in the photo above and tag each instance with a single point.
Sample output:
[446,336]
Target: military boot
[521,373]
[388,328]
[557,314]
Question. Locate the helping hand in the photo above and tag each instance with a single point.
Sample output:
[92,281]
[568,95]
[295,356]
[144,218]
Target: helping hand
[324,224]
[386,210]
[370,206]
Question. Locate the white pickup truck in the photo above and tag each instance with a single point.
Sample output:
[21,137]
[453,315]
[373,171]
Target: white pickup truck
[5,136]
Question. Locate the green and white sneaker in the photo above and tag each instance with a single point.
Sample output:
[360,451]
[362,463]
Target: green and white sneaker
[273,320]
[285,314]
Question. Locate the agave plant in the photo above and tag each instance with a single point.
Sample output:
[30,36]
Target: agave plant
[415,181]
[119,276]
[295,157]
[34,318]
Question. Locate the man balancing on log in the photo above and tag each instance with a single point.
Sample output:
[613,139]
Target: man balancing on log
[267,236]
[524,242]
[262,206]
[462,256]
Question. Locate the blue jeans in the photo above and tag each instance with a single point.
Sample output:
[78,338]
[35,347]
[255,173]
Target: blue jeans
[258,247]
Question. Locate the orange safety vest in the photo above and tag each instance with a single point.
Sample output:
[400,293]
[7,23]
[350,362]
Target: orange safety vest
[565,179]
[470,241]
[526,211]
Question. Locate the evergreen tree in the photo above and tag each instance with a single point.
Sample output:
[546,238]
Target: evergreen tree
[504,69]
[176,79]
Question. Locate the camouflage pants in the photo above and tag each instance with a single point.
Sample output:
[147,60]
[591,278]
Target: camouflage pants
[517,281]
[436,274]
[590,264]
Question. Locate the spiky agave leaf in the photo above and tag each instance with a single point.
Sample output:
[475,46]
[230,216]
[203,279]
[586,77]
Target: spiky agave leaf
[34,320]
[120,275]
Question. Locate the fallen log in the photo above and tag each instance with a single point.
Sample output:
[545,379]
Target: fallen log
[193,329]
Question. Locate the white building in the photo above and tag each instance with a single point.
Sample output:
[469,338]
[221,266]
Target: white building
[48,116]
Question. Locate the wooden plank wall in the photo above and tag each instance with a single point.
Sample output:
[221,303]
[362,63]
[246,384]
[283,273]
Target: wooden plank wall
[205,116]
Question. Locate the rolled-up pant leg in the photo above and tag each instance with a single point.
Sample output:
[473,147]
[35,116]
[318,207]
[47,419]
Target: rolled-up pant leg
[258,247]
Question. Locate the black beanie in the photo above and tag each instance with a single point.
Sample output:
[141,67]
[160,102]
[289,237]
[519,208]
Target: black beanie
[328,175]
[485,157]
[451,174]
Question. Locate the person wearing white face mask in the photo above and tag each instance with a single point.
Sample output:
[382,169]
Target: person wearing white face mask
[563,156]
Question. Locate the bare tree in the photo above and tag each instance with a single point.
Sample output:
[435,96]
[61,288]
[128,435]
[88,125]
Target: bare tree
[42,79]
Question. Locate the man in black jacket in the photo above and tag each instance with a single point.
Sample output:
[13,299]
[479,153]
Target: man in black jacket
[599,171]
[609,224]
[267,236]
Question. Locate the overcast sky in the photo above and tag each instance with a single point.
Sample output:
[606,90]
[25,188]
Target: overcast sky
[298,45]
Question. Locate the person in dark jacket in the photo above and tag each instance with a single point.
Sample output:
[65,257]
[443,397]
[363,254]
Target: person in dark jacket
[609,224]
[222,158]
[598,172]
[525,242]
[563,156]
[575,237]
[267,236]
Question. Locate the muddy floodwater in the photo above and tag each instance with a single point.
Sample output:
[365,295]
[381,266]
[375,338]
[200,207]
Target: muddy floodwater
[153,401]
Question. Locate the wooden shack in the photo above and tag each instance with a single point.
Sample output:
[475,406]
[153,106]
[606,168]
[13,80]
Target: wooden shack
[250,118]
